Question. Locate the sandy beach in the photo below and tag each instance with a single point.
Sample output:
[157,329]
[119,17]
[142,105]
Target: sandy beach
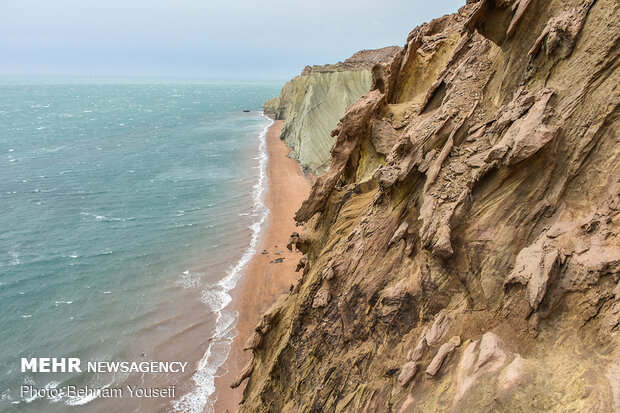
[265,281]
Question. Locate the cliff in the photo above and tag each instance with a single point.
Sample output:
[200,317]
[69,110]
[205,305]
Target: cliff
[311,104]
[462,252]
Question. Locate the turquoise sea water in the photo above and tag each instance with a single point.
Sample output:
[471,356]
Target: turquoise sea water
[127,209]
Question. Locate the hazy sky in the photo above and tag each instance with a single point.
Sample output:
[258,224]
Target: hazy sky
[269,39]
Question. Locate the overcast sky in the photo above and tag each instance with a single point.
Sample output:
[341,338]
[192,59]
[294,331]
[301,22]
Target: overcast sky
[269,39]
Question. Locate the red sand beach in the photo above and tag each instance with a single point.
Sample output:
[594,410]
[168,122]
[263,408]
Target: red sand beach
[265,281]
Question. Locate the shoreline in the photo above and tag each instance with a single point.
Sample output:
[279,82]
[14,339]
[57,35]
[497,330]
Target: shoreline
[263,281]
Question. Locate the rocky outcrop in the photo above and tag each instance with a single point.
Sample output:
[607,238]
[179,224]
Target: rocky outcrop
[463,248]
[311,104]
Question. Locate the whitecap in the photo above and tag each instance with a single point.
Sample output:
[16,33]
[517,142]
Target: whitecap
[216,297]
[82,400]
[188,280]
[14,258]
[6,395]
[52,385]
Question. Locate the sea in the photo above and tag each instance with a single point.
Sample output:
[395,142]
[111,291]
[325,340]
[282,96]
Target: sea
[128,210]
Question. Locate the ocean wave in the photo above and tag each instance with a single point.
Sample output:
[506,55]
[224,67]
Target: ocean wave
[103,218]
[6,395]
[87,398]
[217,297]
[14,259]
[78,400]
[177,225]
[188,280]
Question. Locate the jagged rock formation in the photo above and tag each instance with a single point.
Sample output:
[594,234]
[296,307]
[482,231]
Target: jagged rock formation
[311,104]
[463,249]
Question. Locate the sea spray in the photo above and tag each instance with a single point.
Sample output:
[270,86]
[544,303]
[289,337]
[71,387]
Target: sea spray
[217,298]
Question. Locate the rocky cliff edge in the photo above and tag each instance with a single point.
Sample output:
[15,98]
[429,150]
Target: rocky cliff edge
[463,249]
[312,104]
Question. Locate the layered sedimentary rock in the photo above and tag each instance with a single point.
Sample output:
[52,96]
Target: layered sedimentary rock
[312,104]
[462,252]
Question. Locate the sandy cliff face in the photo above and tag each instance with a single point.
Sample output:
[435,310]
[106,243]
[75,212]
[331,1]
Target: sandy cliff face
[312,104]
[463,250]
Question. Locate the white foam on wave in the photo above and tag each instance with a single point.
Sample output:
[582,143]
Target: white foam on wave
[6,395]
[54,385]
[188,280]
[87,398]
[14,258]
[217,297]
[55,397]
[103,218]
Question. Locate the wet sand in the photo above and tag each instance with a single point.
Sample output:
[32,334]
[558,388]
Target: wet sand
[264,281]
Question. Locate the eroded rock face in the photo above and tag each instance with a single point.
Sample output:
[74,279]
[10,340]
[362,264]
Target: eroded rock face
[407,373]
[311,104]
[494,136]
[399,233]
[321,299]
[480,358]
[438,330]
[418,352]
[444,351]
[535,267]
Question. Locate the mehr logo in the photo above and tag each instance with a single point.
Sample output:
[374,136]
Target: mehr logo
[71,364]
[51,365]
